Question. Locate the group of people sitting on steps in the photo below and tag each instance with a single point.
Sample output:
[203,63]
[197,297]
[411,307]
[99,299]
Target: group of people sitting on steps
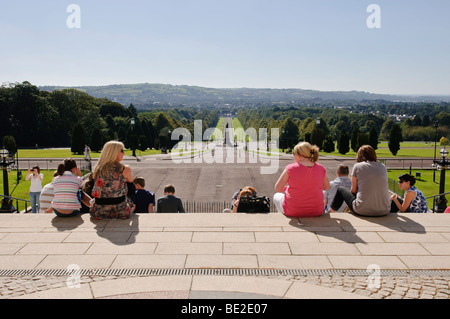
[302,190]
[110,191]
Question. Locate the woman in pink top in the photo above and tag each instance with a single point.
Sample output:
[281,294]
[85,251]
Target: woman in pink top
[303,183]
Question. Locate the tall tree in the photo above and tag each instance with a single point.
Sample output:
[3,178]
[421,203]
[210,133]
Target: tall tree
[386,128]
[318,129]
[289,134]
[78,139]
[328,144]
[112,108]
[363,139]
[395,137]
[417,121]
[373,137]
[343,142]
[97,140]
[132,110]
[304,129]
[317,136]
[122,135]
[426,120]
[142,143]
[354,140]
[161,121]
[9,142]
[24,101]
[5,108]
[148,131]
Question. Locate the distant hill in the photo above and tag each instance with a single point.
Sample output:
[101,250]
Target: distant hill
[148,95]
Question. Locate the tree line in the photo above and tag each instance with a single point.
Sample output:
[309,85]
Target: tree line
[70,117]
[343,129]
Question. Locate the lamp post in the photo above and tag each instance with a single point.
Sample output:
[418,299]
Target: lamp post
[318,137]
[442,165]
[169,139]
[436,125]
[5,162]
[133,142]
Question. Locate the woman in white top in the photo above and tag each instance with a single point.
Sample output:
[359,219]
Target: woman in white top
[36,178]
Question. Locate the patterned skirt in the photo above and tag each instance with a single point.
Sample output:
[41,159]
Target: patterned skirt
[118,211]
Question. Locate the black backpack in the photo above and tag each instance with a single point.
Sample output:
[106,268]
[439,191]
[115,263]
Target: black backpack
[254,204]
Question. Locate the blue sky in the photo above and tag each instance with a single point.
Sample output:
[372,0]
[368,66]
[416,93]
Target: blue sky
[310,44]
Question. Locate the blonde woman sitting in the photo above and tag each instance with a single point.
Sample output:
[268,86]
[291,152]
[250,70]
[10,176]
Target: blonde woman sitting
[110,184]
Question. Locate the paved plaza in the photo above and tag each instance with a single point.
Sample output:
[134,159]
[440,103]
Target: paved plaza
[192,255]
[224,255]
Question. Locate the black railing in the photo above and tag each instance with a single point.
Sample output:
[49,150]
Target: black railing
[393,186]
[45,163]
[212,207]
[18,203]
[434,199]
[206,207]
[406,163]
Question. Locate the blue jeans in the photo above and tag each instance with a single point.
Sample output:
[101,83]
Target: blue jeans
[34,201]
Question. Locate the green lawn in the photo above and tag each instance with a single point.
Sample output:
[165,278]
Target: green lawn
[220,124]
[407,149]
[65,153]
[384,152]
[219,127]
[51,152]
[406,152]
[237,124]
[411,144]
[23,188]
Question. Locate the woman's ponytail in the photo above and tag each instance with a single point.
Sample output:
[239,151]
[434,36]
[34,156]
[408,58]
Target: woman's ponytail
[61,169]
[307,150]
[67,165]
[314,153]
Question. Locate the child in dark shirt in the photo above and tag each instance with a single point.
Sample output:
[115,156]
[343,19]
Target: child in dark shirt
[143,199]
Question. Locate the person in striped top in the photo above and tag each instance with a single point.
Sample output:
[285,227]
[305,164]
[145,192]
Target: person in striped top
[67,190]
